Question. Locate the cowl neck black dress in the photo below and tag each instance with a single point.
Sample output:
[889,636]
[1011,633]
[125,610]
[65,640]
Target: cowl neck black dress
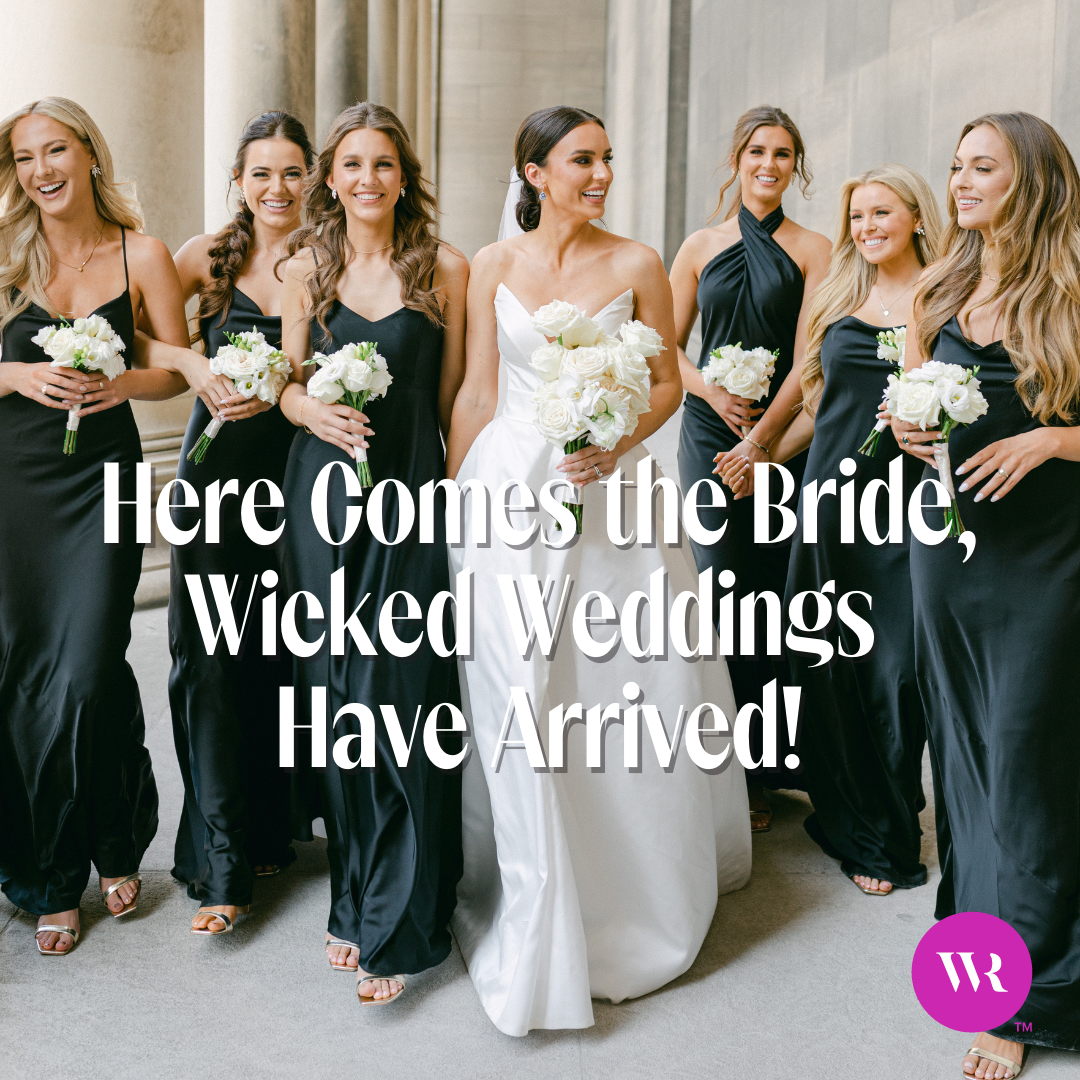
[76,784]
[995,646]
[750,293]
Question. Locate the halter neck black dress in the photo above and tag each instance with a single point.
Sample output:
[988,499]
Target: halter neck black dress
[76,784]
[995,644]
[751,293]
[863,730]
[393,833]
[224,707]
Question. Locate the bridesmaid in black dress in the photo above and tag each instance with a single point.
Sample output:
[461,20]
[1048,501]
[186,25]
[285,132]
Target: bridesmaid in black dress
[76,784]
[863,729]
[224,708]
[748,276]
[368,268]
[995,637]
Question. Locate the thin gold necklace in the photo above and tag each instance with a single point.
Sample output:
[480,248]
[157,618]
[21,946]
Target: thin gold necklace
[375,251]
[884,309]
[88,257]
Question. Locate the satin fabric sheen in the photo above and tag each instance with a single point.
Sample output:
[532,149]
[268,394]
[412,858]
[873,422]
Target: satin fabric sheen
[394,833]
[224,707]
[580,884]
[995,646]
[750,293]
[76,784]
[863,729]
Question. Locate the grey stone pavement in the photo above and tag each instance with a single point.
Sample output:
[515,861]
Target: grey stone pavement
[801,977]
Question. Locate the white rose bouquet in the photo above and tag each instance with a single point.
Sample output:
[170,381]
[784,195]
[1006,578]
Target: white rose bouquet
[85,345]
[741,372]
[256,369]
[352,375]
[891,345]
[593,386]
[934,396]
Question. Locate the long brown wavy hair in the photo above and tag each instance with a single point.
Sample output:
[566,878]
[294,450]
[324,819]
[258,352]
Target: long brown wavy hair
[24,255]
[850,276]
[745,126]
[325,233]
[1036,239]
[232,245]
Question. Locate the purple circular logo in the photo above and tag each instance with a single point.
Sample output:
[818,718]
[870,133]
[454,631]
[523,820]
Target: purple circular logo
[971,972]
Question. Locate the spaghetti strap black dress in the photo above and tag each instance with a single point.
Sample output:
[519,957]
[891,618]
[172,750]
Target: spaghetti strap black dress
[995,647]
[76,784]
[750,293]
[863,729]
[393,832]
[225,707]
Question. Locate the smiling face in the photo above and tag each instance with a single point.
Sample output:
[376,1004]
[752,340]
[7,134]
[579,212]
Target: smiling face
[982,171]
[577,174]
[52,164]
[367,175]
[881,225]
[766,165]
[272,181]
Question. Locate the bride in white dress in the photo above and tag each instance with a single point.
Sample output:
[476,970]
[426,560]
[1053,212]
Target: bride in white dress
[577,883]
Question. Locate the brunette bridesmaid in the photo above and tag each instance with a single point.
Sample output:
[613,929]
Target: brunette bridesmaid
[76,785]
[235,820]
[863,727]
[995,636]
[368,268]
[749,277]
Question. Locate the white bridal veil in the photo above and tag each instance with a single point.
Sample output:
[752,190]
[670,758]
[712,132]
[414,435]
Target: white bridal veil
[508,226]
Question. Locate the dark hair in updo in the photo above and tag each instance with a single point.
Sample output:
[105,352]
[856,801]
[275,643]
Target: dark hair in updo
[232,245]
[537,136]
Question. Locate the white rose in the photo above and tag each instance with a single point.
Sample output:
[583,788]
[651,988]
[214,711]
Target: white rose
[560,319]
[892,393]
[963,402]
[642,339]
[547,360]
[325,384]
[589,363]
[628,364]
[917,403]
[760,360]
[556,421]
[44,336]
[718,369]
[744,382]
[932,370]
[63,347]
[357,377]
[380,382]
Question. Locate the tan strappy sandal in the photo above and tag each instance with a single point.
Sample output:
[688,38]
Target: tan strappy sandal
[205,931]
[977,1051]
[380,1001]
[137,878]
[56,929]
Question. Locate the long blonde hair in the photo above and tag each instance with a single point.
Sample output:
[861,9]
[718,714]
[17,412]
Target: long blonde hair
[326,233]
[1037,245]
[851,276]
[745,126]
[24,255]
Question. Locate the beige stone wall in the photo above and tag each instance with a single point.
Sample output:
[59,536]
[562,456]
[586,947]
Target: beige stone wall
[499,62]
[869,82]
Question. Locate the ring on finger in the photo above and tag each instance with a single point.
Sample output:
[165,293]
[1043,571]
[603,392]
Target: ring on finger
[1002,472]
[596,469]
[904,440]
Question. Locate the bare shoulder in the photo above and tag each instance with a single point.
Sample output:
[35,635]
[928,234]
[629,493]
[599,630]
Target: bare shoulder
[813,243]
[301,266]
[147,254]
[451,264]
[492,264]
[193,258]
[930,269]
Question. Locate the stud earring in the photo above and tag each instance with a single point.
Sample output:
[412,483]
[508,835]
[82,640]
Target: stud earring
[920,231]
[95,171]
[243,201]
[402,195]
[333,193]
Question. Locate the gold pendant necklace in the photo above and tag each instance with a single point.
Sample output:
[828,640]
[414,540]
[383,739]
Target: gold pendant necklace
[88,257]
[884,309]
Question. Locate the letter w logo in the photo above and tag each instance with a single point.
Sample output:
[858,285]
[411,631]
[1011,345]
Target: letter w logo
[972,974]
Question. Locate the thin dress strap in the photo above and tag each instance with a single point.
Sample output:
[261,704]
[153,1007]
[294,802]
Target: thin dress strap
[431,283]
[123,242]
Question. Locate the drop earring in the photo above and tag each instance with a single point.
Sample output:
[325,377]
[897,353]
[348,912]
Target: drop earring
[333,193]
[402,194]
[543,194]
[243,201]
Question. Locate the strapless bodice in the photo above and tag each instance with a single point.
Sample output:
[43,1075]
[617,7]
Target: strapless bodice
[518,340]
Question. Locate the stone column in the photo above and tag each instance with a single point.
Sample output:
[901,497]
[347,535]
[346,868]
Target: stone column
[382,85]
[341,59]
[259,55]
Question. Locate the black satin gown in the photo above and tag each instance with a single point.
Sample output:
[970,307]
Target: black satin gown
[995,644]
[76,784]
[863,729]
[750,293]
[394,834]
[224,707]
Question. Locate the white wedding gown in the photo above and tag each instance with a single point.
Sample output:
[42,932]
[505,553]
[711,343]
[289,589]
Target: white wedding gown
[580,884]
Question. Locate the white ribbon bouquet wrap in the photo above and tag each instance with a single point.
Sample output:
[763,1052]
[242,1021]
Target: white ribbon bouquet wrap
[744,373]
[593,387]
[86,345]
[353,375]
[891,344]
[256,369]
[938,396]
